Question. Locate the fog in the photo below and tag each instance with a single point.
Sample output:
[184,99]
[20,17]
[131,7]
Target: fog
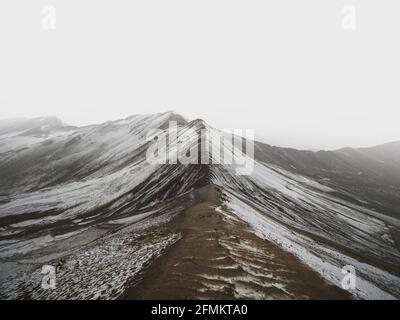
[289,69]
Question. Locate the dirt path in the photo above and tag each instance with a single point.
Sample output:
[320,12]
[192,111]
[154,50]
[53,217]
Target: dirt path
[219,257]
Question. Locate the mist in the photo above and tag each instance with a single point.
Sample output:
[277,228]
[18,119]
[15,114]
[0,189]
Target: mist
[287,69]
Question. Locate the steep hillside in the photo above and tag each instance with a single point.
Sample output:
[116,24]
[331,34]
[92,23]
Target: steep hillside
[88,201]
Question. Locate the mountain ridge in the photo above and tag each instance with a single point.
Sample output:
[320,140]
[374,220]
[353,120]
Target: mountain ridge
[173,113]
[77,187]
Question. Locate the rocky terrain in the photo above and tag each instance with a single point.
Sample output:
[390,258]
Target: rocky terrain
[87,201]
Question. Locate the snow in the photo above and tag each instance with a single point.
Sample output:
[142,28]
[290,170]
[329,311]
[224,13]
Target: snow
[324,260]
[117,187]
[100,272]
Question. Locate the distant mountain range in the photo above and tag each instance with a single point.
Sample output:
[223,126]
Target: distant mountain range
[85,200]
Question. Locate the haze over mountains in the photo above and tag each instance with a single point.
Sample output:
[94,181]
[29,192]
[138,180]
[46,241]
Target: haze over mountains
[85,199]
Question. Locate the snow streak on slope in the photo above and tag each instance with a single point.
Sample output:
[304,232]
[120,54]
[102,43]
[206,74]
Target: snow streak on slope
[87,197]
[64,191]
[325,232]
[100,270]
[81,192]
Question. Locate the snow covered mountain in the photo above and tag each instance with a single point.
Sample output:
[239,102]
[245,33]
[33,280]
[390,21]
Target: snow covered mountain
[86,200]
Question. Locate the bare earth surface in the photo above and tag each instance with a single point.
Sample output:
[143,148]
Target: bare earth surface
[220,257]
[87,201]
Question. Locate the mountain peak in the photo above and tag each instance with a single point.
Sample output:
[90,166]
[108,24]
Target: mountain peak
[198,123]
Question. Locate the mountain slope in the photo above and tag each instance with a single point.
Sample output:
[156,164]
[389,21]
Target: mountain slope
[369,176]
[80,198]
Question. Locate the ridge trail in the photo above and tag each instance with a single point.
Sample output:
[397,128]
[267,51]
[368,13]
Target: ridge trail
[219,257]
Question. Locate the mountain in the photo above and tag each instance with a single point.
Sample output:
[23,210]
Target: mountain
[87,201]
[371,176]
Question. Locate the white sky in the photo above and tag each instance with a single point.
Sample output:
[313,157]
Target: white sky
[285,68]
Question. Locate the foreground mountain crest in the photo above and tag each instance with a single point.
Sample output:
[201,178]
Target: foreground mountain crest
[86,201]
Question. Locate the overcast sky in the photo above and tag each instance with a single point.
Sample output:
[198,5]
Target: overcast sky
[285,68]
